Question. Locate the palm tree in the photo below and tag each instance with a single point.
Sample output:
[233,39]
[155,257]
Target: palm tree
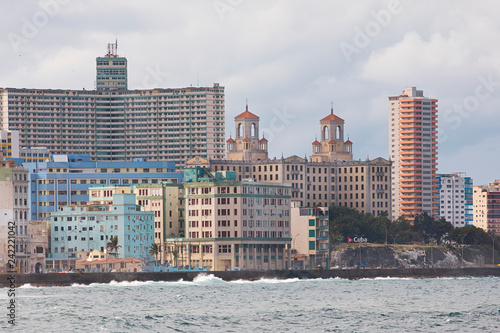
[154,250]
[113,246]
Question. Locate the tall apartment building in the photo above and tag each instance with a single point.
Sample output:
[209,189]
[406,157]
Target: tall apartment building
[14,205]
[91,226]
[232,223]
[486,207]
[112,123]
[413,152]
[455,199]
[159,124]
[331,176]
[66,180]
[111,70]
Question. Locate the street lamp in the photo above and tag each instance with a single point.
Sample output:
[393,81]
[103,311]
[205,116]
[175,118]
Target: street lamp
[394,238]
[293,248]
[66,238]
[492,235]
[385,234]
[360,252]
[103,230]
[462,237]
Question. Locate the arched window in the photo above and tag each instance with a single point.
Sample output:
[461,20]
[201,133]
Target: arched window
[240,130]
[252,130]
[325,133]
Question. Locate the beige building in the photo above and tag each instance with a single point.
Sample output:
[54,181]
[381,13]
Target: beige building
[322,181]
[38,245]
[14,206]
[332,146]
[230,223]
[96,261]
[486,207]
[247,146]
[310,241]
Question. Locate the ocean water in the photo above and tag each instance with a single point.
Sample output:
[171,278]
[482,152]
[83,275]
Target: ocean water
[209,304]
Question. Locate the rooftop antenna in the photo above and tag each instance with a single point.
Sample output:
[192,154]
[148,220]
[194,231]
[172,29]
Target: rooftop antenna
[246,102]
[331,112]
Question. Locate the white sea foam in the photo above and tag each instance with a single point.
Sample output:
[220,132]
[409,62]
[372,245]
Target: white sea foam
[204,279]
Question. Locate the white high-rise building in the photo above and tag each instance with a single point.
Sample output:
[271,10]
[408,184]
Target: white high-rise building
[455,199]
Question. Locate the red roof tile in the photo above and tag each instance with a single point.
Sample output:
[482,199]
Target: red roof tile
[246,114]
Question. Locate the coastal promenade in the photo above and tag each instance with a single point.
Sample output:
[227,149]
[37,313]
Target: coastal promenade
[67,279]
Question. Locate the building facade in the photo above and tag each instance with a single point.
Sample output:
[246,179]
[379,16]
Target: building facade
[486,207]
[413,152]
[247,146]
[324,180]
[9,143]
[91,226]
[38,245]
[66,180]
[232,223]
[111,70]
[310,241]
[455,199]
[166,200]
[332,147]
[123,125]
[14,206]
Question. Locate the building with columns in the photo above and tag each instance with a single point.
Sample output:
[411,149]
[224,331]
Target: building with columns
[330,177]
[247,146]
[332,146]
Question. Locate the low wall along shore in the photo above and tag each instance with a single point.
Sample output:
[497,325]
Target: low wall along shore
[68,279]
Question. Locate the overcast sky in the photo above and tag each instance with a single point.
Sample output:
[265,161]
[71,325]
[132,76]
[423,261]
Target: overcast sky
[290,59]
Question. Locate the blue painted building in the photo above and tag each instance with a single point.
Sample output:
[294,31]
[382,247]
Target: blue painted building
[66,180]
[91,226]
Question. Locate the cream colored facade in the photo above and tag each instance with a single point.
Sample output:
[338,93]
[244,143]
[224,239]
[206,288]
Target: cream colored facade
[331,177]
[310,241]
[14,206]
[247,146]
[362,185]
[486,207]
[332,146]
[231,224]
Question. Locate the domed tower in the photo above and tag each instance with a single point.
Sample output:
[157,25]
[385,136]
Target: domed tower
[247,146]
[332,146]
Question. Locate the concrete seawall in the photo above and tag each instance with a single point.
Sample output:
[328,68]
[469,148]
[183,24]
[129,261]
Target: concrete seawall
[88,278]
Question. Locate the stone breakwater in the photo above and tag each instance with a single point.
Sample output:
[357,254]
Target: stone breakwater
[69,279]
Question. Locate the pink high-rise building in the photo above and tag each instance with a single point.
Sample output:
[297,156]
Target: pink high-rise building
[414,154]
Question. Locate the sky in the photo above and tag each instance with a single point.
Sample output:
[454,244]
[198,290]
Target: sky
[290,60]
